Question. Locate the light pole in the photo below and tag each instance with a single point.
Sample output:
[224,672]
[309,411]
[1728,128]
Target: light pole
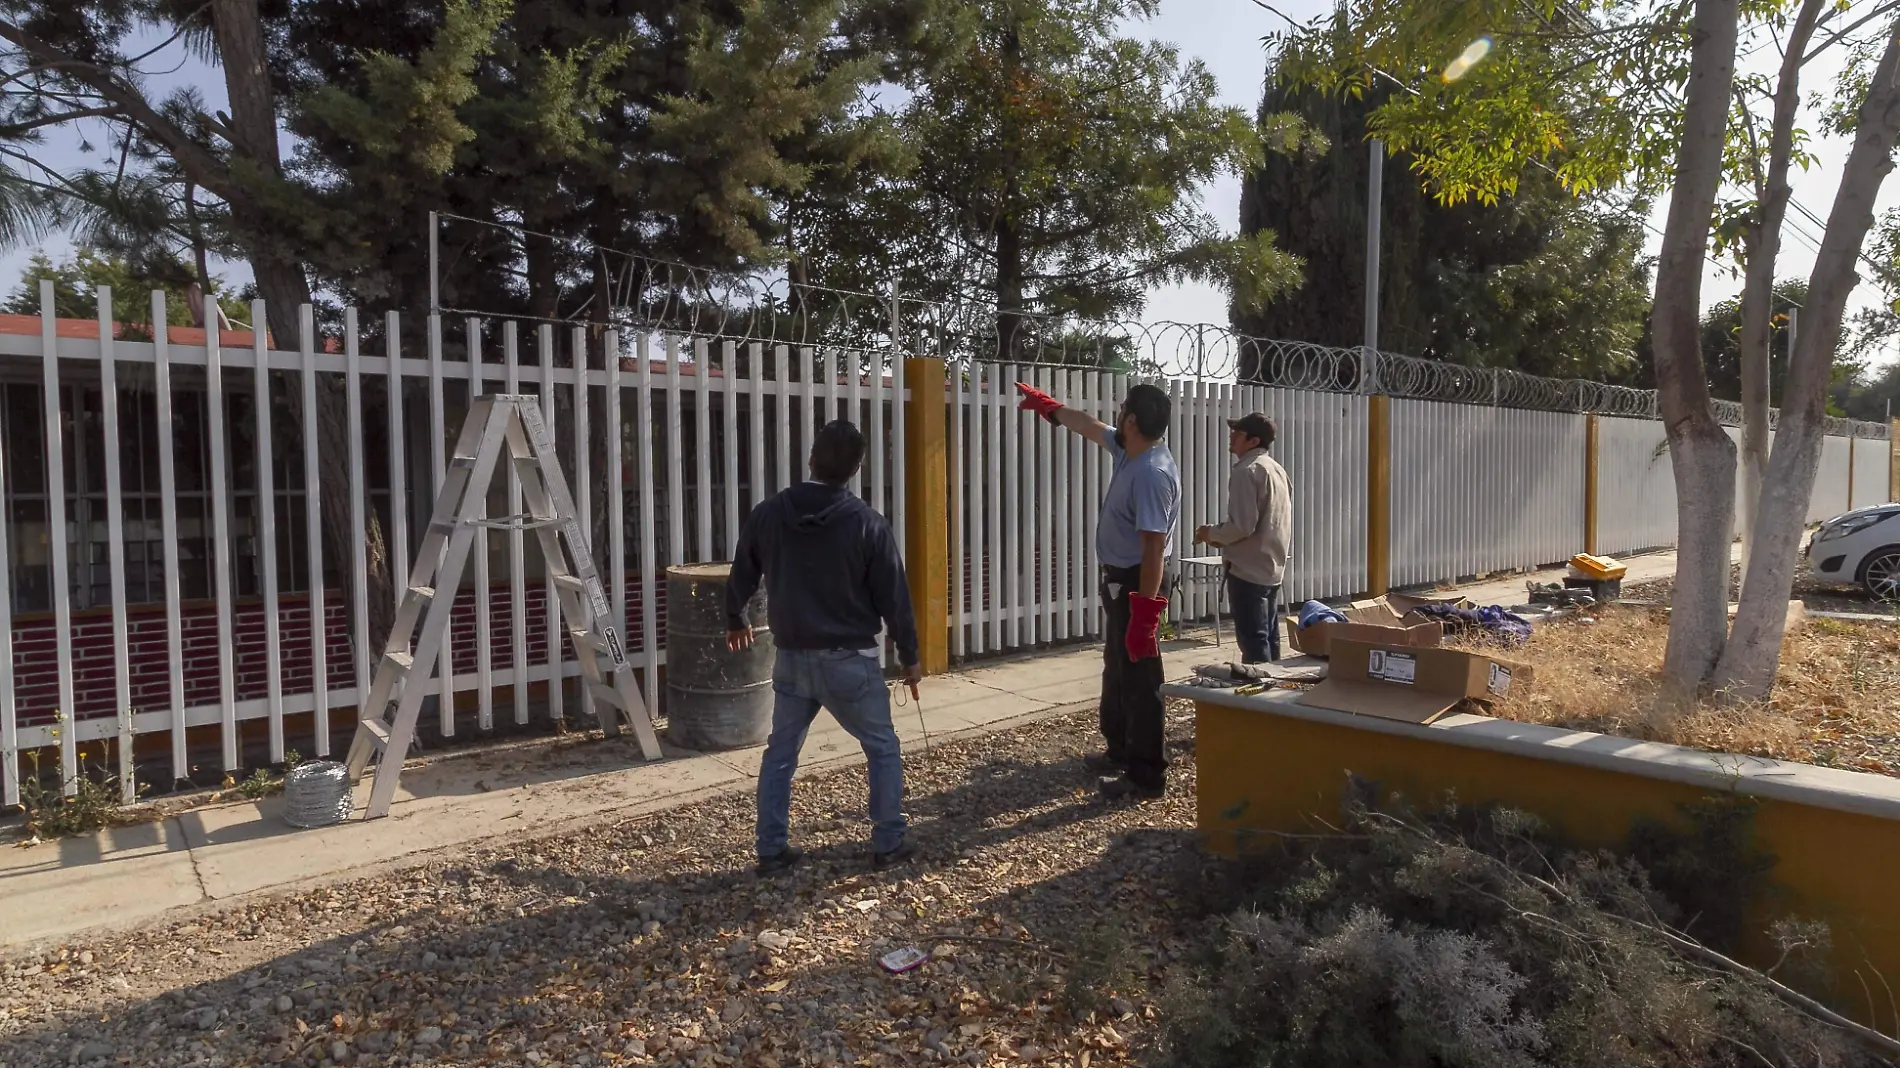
[1375,185]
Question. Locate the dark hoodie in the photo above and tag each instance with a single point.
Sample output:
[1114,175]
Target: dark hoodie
[831,570]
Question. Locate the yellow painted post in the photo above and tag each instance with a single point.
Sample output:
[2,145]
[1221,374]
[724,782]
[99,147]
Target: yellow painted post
[1893,460]
[1379,496]
[927,508]
[1591,428]
[1851,439]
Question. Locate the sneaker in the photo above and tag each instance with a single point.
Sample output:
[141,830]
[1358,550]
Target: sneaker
[1121,787]
[903,854]
[1104,764]
[779,863]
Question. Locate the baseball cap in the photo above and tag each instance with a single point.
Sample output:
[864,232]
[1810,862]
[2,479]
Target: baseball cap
[1255,425]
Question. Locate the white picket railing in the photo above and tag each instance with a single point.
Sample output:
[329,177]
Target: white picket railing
[218,654]
[195,588]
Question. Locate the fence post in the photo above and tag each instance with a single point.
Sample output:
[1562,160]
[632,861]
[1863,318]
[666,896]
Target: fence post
[1893,459]
[926,507]
[1379,495]
[1591,429]
[1850,469]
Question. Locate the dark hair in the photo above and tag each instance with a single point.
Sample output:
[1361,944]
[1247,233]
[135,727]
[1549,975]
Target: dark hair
[1256,426]
[1150,407]
[837,452]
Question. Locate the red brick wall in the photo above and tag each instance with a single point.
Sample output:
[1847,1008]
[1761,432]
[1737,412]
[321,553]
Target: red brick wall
[36,664]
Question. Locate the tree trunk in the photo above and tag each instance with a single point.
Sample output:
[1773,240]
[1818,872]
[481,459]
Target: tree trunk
[285,288]
[1747,670]
[1758,289]
[544,282]
[1758,294]
[1009,282]
[1700,452]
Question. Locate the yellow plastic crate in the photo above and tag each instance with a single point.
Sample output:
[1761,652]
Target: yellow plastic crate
[1598,567]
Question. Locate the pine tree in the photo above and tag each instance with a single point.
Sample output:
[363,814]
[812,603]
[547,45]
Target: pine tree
[1057,164]
[1540,281]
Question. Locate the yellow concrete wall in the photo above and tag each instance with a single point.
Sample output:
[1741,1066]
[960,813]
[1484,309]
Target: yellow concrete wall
[1263,772]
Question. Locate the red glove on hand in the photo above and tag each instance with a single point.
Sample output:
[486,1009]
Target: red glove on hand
[1144,626]
[1035,400]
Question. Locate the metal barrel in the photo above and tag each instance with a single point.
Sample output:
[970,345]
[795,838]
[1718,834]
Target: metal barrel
[716,698]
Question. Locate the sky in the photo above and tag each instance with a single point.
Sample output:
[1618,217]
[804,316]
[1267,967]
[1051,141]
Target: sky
[1225,35]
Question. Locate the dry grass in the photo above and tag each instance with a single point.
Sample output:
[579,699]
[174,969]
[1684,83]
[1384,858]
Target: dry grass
[1836,701]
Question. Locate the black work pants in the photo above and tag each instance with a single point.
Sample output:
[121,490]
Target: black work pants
[1133,723]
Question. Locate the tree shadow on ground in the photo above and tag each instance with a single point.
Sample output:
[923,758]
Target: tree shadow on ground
[574,953]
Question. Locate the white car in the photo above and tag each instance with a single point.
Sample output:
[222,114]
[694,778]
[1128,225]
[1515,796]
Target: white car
[1861,547]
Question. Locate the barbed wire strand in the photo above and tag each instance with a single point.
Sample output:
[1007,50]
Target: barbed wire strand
[656,297]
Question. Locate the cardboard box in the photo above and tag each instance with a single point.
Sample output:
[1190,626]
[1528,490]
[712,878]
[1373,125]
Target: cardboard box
[1375,621]
[1411,684]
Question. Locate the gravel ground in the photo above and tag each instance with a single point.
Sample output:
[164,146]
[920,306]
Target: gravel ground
[1050,914]
[1810,591]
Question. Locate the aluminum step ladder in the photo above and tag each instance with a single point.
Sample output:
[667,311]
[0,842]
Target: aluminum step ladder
[409,660]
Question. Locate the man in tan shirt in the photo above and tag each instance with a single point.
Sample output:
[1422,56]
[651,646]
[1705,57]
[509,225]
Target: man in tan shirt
[1255,538]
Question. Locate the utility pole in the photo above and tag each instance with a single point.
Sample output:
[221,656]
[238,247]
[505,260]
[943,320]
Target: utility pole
[1375,185]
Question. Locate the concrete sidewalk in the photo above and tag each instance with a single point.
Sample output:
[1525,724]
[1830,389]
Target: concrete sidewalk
[129,875]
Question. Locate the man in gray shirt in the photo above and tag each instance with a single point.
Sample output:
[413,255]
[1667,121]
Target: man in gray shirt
[1134,539]
[1255,538]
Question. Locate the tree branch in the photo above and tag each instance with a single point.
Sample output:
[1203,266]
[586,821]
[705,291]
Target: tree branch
[1837,36]
[204,168]
[15,131]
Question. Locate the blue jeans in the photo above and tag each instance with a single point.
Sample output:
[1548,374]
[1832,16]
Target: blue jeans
[1256,619]
[850,686]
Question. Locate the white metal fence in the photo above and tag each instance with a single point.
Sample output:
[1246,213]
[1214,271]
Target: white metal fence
[168,569]
[1024,497]
[705,430]
[1483,489]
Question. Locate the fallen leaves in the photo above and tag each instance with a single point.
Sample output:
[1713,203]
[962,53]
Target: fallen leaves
[538,952]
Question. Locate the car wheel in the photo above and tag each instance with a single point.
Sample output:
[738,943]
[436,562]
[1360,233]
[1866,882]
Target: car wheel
[1880,574]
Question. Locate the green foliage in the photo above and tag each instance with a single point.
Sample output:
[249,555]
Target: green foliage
[94,805]
[1470,938]
[673,130]
[77,279]
[1056,170]
[1539,280]
[1584,91]
[1722,351]
[404,116]
[1708,868]
[1102,960]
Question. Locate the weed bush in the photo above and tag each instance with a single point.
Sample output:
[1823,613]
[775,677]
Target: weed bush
[93,806]
[1468,939]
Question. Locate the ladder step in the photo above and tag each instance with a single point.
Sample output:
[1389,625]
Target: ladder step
[400,661]
[425,594]
[515,522]
[378,732]
[461,463]
[444,527]
[570,583]
[606,694]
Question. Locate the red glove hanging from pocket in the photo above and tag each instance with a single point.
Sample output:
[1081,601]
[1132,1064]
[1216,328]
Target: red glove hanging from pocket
[1035,400]
[1144,626]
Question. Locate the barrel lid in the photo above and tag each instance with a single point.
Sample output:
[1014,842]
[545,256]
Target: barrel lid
[714,572]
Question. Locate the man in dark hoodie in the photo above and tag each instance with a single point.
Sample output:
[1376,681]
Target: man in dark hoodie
[832,573]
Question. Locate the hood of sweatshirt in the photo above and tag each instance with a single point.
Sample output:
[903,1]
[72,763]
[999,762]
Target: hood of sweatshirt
[813,505]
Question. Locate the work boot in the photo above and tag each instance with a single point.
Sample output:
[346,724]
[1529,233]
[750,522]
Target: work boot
[1104,764]
[903,854]
[779,863]
[1121,788]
